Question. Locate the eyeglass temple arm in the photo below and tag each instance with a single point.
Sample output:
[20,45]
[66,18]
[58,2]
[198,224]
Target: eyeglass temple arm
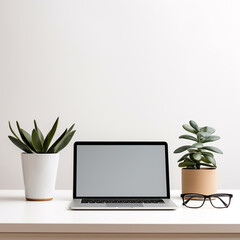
[221,201]
[185,202]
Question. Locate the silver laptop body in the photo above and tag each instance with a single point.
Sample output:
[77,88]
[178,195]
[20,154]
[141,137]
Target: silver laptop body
[129,175]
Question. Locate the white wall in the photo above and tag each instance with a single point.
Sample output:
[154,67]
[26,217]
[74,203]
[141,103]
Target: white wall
[120,69]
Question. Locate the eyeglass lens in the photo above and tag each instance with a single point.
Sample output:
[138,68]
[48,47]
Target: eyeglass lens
[193,200]
[220,201]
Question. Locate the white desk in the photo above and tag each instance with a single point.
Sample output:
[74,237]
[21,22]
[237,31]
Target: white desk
[20,219]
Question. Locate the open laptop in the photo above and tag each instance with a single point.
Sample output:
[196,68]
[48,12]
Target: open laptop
[129,175]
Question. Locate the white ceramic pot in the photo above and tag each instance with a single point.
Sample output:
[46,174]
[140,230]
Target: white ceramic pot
[39,174]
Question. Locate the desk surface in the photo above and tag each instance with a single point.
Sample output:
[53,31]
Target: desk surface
[18,215]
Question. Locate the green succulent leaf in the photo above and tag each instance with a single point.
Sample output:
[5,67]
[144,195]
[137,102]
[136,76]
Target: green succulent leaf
[41,137]
[64,142]
[52,148]
[26,137]
[185,164]
[211,139]
[20,145]
[205,160]
[204,134]
[189,137]
[189,128]
[36,141]
[189,160]
[17,141]
[197,156]
[207,153]
[197,145]
[182,149]
[193,159]
[211,159]
[13,131]
[70,129]
[181,159]
[49,136]
[192,150]
[184,157]
[213,149]
[194,125]
[209,130]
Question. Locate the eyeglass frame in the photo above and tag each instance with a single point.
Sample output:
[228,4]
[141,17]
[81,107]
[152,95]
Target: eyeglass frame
[218,195]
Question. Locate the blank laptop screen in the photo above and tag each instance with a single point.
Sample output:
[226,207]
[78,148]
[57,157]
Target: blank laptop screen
[121,171]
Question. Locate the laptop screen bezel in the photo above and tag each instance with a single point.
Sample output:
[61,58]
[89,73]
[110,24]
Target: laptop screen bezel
[119,143]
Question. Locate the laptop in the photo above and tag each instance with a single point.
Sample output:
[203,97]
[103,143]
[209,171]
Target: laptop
[121,175]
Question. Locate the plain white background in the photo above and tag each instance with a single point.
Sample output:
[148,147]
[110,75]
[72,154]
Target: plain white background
[120,70]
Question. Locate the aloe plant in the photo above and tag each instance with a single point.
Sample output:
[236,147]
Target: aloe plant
[197,154]
[36,143]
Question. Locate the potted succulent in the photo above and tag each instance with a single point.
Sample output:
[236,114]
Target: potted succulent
[39,159]
[199,169]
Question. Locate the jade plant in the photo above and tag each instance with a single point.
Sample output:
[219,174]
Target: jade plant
[198,154]
[37,143]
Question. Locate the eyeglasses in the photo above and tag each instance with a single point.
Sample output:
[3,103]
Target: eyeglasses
[195,200]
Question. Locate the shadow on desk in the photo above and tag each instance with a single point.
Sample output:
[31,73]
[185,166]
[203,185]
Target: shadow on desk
[11,198]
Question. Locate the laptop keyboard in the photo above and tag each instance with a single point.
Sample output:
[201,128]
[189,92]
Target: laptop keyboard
[122,200]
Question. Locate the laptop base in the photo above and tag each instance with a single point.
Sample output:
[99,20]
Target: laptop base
[166,205]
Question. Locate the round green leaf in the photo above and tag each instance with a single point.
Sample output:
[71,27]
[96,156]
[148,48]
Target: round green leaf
[207,153]
[189,128]
[209,130]
[203,159]
[182,149]
[211,159]
[197,145]
[194,125]
[192,150]
[183,157]
[204,134]
[185,164]
[197,156]
[211,139]
[189,137]
[188,160]
[213,149]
